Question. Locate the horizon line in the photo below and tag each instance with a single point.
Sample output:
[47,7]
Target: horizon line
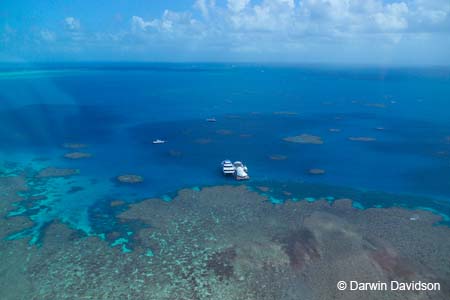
[261,63]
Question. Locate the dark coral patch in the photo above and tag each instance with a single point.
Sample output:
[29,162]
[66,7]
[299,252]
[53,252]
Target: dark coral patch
[75,189]
[300,246]
[222,263]
[393,265]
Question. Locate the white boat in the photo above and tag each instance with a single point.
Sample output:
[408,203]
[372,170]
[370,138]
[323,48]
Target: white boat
[227,167]
[241,171]
[158,141]
[211,120]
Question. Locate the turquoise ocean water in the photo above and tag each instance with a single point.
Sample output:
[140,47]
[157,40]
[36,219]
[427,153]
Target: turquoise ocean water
[118,109]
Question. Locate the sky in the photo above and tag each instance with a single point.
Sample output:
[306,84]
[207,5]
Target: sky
[403,32]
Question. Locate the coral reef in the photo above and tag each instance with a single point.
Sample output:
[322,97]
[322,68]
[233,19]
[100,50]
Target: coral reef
[304,139]
[286,113]
[56,172]
[75,189]
[224,132]
[264,189]
[203,141]
[316,171]
[130,178]
[77,155]
[228,242]
[362,139]
[74,145]
[175,153]
[278,157]
[376,105]
[115,203]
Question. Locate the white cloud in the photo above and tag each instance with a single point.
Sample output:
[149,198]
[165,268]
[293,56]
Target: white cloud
[170,22]
[247,24]
[432,12]
[138,23]
[204,6]
[286,28]
[258,30]
[393,17]
[237,6]
[72,23]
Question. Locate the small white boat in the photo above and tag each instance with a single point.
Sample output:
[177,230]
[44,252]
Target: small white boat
[158,141]
[211,120]
[241,172]
[227,167]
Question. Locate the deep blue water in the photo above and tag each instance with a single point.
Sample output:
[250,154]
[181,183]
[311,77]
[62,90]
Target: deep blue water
[118,109]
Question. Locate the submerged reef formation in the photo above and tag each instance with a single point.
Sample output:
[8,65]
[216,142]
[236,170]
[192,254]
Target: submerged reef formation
[286,113]
[304,139]
[278,157]
[362,139]
[115,203]
[224,132]
[175,153]
[316,171]
[334,130]
[203,141]
[228,242]
[77,155]
[130,178]
[74,145]
[376,105]
[56,172]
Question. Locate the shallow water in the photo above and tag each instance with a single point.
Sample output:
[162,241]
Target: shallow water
[117,110]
